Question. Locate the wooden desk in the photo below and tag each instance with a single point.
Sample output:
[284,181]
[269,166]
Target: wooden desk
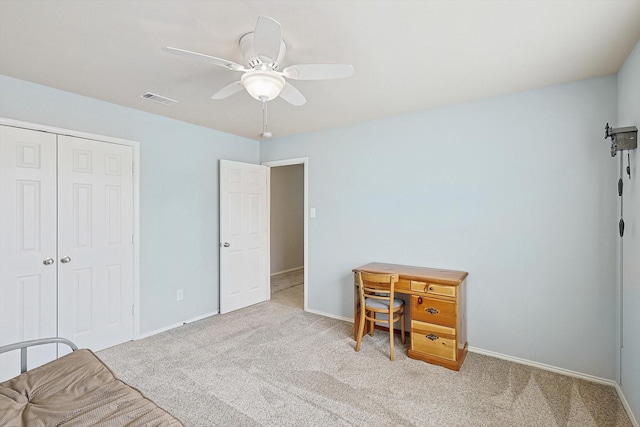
[437,311]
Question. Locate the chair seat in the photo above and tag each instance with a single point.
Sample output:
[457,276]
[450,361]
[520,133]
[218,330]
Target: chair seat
[375,293]
[375,303]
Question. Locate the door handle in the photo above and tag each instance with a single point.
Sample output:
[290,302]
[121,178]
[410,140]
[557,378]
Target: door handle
[226,244]
[65,260]
[48,261]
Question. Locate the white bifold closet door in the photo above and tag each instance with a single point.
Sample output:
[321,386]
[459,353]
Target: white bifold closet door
[95,242]
[66,257]
[28,267]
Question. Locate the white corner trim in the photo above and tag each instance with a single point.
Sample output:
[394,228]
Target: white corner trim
[626,406]
[175,325]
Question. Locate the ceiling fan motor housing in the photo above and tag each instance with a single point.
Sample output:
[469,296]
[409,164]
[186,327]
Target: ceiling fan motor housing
[253,59]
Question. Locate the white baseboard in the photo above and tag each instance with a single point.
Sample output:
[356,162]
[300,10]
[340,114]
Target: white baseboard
[287,271]
[333,316]
[546,367]
[627,407]
[563,371]
[175,325]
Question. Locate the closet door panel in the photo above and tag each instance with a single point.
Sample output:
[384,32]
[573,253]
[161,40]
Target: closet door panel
[95,214]
[27,239]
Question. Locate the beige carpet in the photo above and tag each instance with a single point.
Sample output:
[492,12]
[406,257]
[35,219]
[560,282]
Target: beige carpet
[282,281]
[288,288]
[274,365]
[293,296]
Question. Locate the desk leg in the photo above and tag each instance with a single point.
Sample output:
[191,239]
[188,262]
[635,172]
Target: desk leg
[356,311]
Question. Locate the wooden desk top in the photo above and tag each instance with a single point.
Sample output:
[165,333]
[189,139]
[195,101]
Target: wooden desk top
[434,275]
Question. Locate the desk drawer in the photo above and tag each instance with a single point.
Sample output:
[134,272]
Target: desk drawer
[432,310]
[444,290]
[432,288]
[418,286]
[403,285]
[433,340]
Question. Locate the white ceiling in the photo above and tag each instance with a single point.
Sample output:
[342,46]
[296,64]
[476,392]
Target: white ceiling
[408,55]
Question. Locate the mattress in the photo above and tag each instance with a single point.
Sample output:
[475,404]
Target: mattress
[77,389]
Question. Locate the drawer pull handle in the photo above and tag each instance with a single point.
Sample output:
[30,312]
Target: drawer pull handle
[419,300]
[432,337]
[432,310]
[430,288]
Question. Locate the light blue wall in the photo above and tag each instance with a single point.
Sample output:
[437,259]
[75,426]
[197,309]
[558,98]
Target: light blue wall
[178,192]
[516,190]
[629,115]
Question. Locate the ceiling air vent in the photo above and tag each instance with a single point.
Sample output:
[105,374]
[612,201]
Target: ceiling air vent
[157,98]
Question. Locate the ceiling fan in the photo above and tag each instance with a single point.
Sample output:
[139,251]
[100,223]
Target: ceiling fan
[263,50]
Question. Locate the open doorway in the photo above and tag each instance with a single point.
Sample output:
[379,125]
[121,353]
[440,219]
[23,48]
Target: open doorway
[287,232]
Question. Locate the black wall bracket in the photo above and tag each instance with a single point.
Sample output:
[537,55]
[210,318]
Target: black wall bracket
[622,139]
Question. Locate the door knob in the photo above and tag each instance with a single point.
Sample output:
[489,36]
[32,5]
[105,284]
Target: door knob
[65,260]
[48,261]
[226,244]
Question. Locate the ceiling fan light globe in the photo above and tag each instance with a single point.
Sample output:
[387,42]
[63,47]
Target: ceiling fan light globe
[263,85]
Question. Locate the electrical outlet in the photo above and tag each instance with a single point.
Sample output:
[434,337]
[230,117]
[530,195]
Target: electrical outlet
[179,295]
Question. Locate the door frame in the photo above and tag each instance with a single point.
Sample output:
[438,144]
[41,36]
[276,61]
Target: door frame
[304,161]
[135,145]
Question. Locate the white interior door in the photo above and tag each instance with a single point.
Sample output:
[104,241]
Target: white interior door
[28,256]
[243,235]
[95,242]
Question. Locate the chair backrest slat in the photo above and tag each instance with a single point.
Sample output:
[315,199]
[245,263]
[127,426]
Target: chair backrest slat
[377,286]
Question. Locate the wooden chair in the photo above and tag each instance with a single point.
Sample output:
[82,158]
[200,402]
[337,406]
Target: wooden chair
[376,296]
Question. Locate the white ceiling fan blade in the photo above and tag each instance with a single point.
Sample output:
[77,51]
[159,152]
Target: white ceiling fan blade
[267,38]
[210,59]
[292,95]
[228,90]
[318,71]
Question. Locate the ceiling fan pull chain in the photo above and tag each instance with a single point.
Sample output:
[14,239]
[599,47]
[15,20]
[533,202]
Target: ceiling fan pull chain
[265,124]
[264,116]
[620,193]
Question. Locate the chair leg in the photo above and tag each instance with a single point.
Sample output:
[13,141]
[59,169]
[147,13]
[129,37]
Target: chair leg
[360,329]
[402,325]
[392,351]
[372,324]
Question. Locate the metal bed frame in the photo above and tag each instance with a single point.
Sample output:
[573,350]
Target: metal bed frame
[22,346]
